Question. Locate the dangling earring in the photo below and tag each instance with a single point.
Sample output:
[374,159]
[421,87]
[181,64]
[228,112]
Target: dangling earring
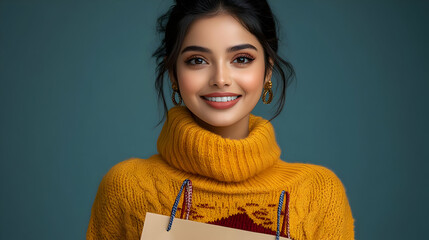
[173,97]
[267,89]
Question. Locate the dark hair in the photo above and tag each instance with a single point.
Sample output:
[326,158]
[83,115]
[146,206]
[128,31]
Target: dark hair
[254,15]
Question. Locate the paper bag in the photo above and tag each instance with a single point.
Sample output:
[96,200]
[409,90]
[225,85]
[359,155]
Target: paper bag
[155,228]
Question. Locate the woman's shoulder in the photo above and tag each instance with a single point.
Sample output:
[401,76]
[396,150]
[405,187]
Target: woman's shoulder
[319,188]
[130,174]
[129,166]
[315,176]
[134,164]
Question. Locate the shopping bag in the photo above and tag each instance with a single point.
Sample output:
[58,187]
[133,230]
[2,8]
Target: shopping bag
[155,229]
[160,227]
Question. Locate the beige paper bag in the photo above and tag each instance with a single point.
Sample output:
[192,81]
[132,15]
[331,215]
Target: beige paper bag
[155,228]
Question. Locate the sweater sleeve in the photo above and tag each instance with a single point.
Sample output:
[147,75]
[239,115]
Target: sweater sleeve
[113,214]
[106,213]
[335,219]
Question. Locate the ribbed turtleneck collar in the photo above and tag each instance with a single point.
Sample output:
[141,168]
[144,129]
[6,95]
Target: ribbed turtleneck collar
[185,145]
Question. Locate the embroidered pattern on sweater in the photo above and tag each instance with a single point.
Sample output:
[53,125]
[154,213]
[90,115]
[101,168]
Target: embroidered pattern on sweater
[250,217]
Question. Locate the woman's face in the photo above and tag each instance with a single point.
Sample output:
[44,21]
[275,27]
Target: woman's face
[221,72]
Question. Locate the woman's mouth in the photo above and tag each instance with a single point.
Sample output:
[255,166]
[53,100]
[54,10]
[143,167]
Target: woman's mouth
[222,101]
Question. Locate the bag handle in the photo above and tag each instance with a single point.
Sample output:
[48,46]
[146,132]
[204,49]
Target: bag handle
[285,225]
[187,201]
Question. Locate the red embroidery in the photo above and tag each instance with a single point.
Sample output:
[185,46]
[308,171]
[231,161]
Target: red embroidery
[241,209]
[244,222]
[205,205]
[252,204]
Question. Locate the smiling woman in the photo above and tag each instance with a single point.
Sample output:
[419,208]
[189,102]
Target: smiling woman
[220,56]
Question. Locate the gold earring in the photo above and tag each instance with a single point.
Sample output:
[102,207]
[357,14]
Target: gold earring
[173,97]
[267,89]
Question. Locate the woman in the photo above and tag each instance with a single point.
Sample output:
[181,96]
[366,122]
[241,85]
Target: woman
[220,56]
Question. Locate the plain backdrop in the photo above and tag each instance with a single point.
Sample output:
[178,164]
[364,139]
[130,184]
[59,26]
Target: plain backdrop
[77,96]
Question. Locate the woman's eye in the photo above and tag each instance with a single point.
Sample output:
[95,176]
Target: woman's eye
[243,60]
[196,61]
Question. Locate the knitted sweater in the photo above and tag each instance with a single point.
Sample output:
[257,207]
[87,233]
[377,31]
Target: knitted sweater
[236,183]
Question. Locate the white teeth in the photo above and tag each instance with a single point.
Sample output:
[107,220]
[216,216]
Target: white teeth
[221,99]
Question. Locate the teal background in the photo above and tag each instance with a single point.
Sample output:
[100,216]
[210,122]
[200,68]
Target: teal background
[77,97]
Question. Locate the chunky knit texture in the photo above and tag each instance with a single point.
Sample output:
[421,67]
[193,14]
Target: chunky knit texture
[236,183]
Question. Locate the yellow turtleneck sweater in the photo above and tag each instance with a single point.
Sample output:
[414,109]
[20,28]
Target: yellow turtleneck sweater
[236,183]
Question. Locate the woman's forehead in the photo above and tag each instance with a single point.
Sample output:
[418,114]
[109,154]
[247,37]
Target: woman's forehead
[218,33]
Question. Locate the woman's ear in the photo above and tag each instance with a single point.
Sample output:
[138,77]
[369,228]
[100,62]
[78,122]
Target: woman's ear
[269,71]
[171,76]
[170,72]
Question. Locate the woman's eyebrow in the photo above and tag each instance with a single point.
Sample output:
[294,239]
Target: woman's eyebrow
[231,49]
[241,47]
[196,48]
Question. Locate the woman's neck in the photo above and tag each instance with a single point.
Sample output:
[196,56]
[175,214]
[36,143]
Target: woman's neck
[188,147]
[238,130]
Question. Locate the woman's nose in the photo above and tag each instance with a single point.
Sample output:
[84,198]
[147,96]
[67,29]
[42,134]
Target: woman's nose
[220,77]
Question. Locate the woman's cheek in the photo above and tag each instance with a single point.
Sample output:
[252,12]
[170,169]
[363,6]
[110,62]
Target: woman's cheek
[190,82]
[252,81]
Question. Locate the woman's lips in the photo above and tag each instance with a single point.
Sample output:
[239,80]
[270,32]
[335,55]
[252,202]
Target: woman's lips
[221,100]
